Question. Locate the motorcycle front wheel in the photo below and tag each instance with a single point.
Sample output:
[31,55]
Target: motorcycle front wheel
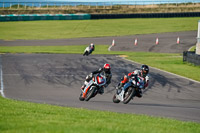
[90,93]
[129,94]
[115,100]
[86,53]
[81,98]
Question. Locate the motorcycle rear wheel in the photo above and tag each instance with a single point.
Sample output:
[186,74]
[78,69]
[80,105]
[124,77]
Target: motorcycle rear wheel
[129,94]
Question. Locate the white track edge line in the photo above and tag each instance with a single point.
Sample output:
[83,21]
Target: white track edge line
[110,47]
[1,76]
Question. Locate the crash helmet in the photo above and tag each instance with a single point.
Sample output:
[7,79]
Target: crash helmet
[144,70]
[91,45]
[106,68]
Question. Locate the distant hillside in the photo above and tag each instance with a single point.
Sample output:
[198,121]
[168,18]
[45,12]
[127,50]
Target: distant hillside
[162,8]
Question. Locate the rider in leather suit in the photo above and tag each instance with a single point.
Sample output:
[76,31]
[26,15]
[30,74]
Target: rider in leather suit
[91,47]
[142,74]
[103,71]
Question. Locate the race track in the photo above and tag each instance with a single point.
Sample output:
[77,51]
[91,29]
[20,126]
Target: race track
[57,78]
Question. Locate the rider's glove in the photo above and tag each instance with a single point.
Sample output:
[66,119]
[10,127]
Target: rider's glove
[91,75]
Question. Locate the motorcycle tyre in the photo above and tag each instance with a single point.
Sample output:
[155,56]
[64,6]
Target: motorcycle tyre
[115,100]
[91,93]
[81,98]
[86,53]
[130,96]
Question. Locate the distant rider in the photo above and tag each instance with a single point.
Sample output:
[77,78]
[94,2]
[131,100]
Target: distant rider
[141,74]
[89,49]
[106,71]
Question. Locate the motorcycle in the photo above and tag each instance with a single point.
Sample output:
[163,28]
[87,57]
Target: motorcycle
[128,91]
[93,87]
[87,51]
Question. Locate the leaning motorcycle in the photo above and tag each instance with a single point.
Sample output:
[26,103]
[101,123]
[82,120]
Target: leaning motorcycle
[93,87]
[87,51]
[128,91]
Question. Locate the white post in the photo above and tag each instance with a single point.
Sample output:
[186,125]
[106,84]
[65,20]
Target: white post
[198,40]
[198,33]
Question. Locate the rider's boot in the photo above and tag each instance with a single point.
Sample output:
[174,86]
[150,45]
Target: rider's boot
[82,87]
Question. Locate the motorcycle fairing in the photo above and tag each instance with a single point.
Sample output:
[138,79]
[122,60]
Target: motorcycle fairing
[87,88]
[120,96]
[100,80]
[126,86]
[140,82]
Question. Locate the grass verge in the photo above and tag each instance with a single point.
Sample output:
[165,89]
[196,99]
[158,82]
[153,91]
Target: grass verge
[193,48]
[23,117]
[169,62]
[30,30]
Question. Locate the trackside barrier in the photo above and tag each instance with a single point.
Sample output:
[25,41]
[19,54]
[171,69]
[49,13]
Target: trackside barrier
[145,15]
[191,57]
[31,17]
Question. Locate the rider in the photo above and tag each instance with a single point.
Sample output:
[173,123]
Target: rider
[91,47]
[106,71]
[142,74]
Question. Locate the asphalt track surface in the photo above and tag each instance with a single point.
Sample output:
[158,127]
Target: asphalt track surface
[57,78]
[146,43]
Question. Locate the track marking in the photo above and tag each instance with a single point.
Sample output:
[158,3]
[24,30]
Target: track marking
[190,48]
[1,77]
[162,71]
[110,47]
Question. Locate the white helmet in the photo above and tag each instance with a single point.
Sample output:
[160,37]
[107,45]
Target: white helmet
[92,45]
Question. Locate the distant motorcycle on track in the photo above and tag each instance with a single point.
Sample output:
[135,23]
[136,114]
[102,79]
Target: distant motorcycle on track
[88,50]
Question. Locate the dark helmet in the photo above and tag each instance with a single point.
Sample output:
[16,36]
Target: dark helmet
[106,68]
[145,70]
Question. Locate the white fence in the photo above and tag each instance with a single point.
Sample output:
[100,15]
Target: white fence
[95,4]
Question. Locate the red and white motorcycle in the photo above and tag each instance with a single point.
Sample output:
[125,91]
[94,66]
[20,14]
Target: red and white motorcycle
[93,87]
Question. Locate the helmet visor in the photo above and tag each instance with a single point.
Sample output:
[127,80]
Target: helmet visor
[144,72]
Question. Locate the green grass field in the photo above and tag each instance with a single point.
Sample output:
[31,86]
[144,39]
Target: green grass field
[93,28]
[23,117]
[193,48]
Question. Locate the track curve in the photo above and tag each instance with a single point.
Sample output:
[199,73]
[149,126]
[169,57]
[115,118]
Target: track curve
[57,78]
[146,43]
